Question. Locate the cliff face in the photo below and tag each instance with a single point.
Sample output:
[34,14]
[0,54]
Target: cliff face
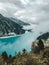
[7,25]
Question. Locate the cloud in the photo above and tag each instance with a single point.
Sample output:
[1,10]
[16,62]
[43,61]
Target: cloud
[31,11]
[25,2]
[7,9]
[43,27]
[19,12]
[1,8]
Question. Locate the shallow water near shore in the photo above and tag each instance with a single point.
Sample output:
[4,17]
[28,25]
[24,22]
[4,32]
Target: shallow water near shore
[16,44]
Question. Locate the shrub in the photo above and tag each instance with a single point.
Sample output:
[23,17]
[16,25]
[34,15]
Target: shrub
[40,45]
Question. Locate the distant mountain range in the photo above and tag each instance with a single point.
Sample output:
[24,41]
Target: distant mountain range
[44,36]
[9,25]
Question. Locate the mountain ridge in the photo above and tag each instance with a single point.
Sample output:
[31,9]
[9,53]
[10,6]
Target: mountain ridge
[44,36]
[8,26]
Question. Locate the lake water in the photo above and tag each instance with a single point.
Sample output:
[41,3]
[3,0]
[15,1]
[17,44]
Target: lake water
[16,44]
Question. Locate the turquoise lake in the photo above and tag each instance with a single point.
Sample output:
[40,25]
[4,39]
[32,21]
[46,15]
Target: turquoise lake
[16,44]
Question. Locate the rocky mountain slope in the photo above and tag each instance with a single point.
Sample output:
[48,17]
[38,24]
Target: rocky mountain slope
[44,36]
[8,25]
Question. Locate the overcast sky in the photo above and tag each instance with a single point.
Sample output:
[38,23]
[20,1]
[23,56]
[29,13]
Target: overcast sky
[34,11]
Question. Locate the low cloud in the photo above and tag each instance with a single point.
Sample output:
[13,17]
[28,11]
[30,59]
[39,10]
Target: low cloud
[31,11]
